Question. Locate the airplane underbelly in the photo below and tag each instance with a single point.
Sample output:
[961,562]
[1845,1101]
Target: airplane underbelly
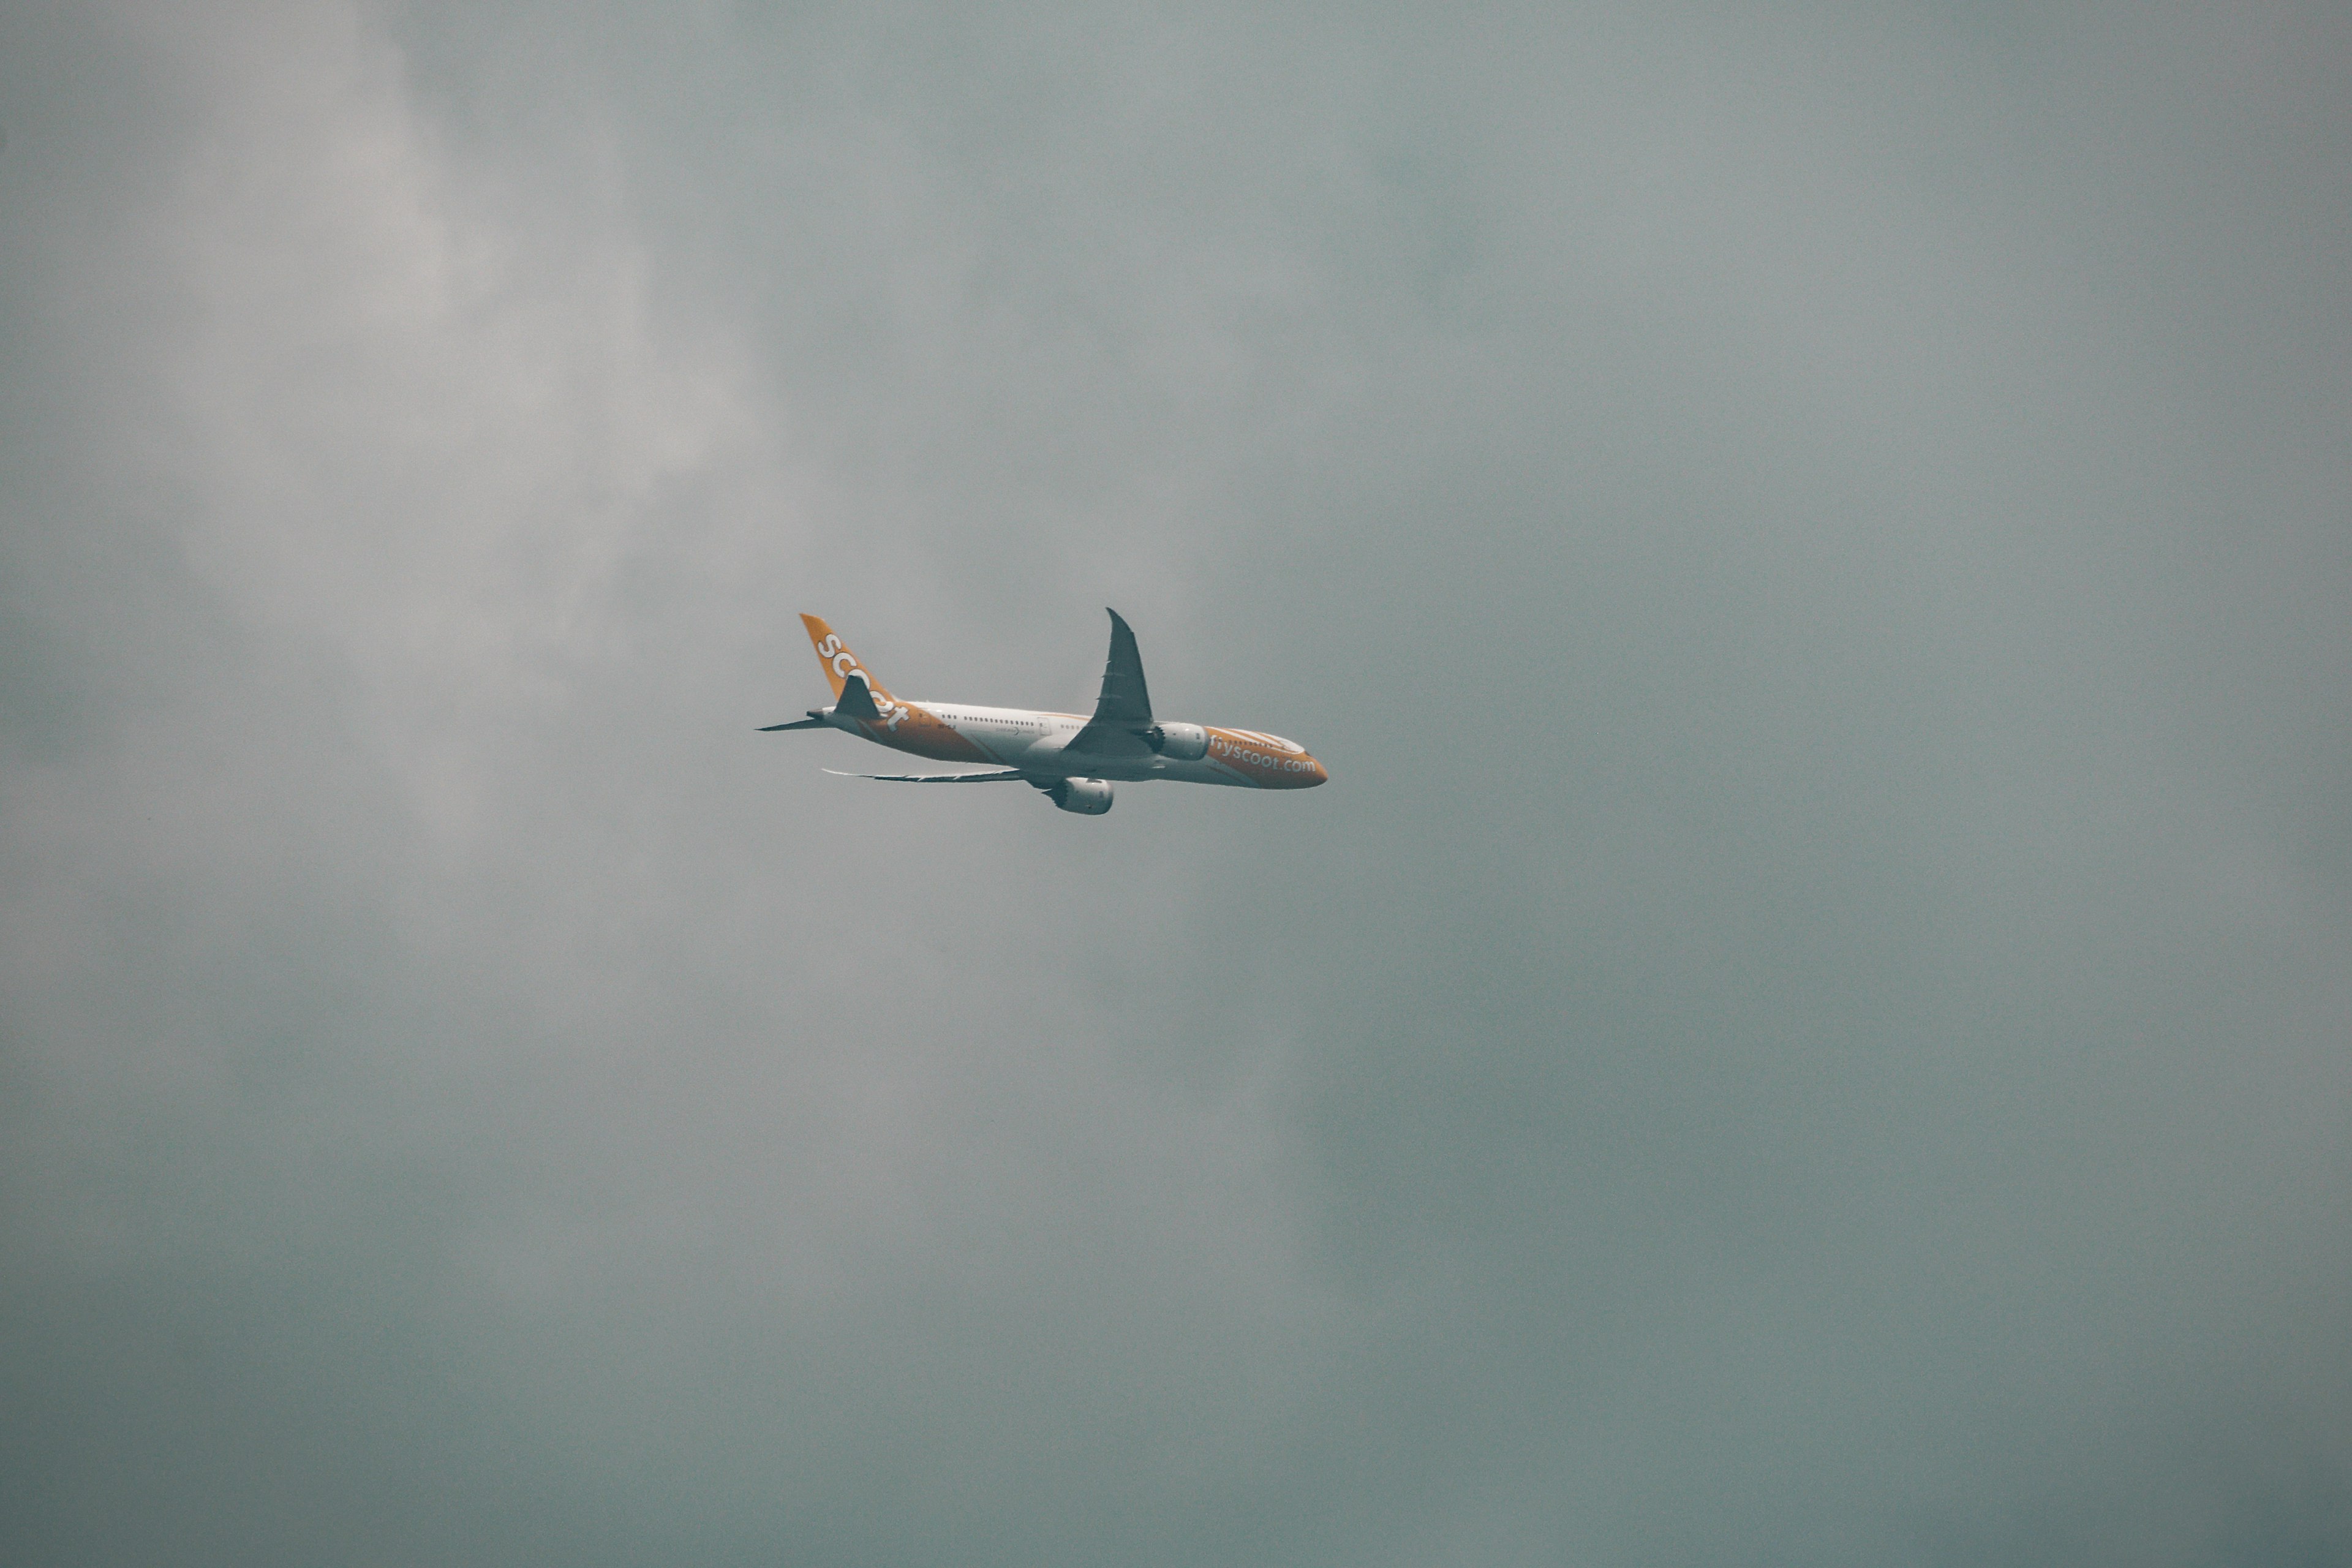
[1128,770]
[1205,771]
[1045,753]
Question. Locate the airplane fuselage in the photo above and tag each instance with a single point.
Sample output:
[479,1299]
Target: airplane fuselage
[1035,741]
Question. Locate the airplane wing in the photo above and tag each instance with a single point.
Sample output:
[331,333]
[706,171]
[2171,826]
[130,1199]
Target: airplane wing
[1001,776]
[1124,710]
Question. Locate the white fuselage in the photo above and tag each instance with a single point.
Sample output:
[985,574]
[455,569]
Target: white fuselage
[1033,741]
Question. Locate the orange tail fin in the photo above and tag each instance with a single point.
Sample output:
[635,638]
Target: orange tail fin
[839,663]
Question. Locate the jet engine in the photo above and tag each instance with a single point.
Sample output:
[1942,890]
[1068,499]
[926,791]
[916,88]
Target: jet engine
[1087,797]
[1178,742]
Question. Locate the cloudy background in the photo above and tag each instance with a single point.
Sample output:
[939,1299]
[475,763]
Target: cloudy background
[1809,1026]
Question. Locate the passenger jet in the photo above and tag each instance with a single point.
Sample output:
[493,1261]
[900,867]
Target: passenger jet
[1073,759]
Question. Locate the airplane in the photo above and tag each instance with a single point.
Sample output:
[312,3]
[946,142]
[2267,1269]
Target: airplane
[1073,759]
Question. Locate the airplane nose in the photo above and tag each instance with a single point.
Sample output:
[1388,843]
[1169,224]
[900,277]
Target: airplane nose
[1320,775]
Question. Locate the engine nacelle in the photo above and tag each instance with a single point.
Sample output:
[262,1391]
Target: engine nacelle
[1178,742]
[1087,797]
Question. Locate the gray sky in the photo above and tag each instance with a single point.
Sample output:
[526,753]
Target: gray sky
[1810,1026]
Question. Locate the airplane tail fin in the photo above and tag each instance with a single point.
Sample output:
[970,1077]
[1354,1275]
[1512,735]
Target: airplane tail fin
[840,664]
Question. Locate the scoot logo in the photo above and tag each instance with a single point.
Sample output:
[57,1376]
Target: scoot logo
[1233,752]
[844,663]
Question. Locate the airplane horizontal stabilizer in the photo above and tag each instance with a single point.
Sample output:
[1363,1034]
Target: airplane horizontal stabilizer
[856,699]
[1004,776]
[795,724]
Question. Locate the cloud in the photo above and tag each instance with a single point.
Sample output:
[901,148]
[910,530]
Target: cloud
[1806,1026]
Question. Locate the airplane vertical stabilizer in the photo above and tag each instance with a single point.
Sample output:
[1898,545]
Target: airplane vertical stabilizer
[839,663]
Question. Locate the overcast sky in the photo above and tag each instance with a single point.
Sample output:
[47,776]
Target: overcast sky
[1812,1024]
